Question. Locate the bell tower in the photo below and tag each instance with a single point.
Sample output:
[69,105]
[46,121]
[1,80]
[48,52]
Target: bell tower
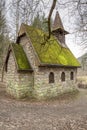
[58,29]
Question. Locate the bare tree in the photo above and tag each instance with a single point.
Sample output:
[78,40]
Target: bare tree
[77,12]
[49,17]
[17,16]
[24,11]
[3,32]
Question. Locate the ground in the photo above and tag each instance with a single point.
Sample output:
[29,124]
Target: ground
[68,113]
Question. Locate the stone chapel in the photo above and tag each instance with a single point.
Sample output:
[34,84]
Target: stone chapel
[40,68]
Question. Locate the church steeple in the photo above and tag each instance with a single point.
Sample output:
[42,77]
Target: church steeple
[57,22]
[58,29]
[58,25]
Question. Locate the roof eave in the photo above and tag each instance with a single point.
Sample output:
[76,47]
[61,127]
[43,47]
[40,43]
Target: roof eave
[56,29]
[58,65]
[24,71]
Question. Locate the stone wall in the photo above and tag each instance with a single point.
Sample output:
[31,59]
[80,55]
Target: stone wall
[30,52]
[0,75]
[44,89]
[18,85]
[11,77]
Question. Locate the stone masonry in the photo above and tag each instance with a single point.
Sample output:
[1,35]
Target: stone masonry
[18,85]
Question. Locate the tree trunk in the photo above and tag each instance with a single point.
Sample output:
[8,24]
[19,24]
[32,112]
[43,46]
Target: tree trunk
[49,17]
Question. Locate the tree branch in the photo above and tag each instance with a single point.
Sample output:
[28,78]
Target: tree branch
[49,17]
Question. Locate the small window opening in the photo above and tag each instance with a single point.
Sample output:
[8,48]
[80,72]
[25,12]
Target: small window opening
[60,32]
[51,77]
[71,75]
[63,77]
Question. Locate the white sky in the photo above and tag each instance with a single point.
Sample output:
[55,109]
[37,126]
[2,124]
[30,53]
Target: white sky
[76,49]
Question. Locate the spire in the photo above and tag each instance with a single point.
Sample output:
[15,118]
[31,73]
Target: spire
[57,25]
[57,22]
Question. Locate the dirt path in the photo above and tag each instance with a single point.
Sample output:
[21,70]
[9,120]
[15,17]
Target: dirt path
[62,114]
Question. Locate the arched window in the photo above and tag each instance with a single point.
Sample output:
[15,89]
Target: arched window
[51,77]
[63,77]
[71,75]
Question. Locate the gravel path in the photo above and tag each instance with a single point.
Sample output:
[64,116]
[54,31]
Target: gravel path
[64,114]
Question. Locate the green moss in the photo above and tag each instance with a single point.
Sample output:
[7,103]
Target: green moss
[21,58]
[50,51]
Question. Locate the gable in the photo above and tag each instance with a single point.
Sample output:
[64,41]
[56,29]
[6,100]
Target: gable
[21,60]
[20,57]
[50,51]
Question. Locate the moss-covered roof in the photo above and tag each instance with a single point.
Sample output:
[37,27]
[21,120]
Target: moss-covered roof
[50,51]
[20,57]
